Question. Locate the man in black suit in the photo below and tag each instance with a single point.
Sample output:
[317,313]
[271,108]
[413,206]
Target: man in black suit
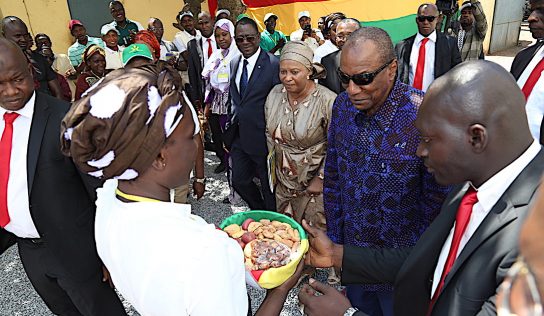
[253,75]
[428,54]
[527,68]
[331,62]
[475,135]
[46,206]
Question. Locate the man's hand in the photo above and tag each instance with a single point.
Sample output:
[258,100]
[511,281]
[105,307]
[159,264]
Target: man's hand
[198,189]
[323,253]
[331,303]
[106,277]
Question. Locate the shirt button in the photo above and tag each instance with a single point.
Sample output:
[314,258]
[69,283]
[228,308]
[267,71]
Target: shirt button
[358,237]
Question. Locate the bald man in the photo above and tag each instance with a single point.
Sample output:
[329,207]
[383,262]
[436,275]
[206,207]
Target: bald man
[46,205]
[14,29]
[475,136]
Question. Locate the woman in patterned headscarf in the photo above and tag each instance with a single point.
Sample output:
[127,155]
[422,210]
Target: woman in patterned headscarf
[94,58]
[137,131]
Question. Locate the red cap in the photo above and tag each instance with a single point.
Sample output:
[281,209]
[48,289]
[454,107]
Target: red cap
[74,23]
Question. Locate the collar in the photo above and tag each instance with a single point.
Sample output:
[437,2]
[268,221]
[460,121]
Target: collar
[127,22]
[27,110]
[386,112]
[420,37]
[88,40]
[271,34]
[253,59]
[491,190]
[205,39]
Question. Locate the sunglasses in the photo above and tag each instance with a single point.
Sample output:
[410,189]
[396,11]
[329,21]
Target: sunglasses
[361,79]
[248,38]
[429,18]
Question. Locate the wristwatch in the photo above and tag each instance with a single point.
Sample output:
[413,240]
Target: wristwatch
[200,180]
[350,311]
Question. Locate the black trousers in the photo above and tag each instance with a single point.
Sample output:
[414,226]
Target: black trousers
[62,294]
[217,136]
[244,168]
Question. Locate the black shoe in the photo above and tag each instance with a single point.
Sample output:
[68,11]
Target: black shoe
[226,200]
[221,168]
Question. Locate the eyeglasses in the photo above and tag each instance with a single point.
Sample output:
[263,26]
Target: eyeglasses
[429,18]
[248,38]
[361,79]
[520,277]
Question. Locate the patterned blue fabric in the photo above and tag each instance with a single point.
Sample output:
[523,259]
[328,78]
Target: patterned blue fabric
[377,192]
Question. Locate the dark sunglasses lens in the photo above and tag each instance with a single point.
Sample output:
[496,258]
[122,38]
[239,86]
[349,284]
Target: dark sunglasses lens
[240,39]
[363,79]
[343,77]
[423,18]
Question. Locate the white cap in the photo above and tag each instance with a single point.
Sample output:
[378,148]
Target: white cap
[302,14]
[108,27]
[227,12]
[185,13]
[269,15]
[466,4]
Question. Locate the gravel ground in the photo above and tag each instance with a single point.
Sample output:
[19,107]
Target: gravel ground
[18,298]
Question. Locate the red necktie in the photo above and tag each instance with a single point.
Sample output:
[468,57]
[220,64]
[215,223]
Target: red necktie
[420,69]
[5,156]
[461,222]
[533,78]
[210,50]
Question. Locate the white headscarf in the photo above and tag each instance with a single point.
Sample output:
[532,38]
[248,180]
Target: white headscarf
[217,60]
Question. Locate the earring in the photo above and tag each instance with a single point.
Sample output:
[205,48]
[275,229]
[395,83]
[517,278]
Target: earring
[163,165]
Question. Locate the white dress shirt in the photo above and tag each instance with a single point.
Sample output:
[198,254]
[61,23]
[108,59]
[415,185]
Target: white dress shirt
[428,73]
[535,103]
[205,47]
[181,265]
[21,223]
[327,48]
[251,61]
[488,194]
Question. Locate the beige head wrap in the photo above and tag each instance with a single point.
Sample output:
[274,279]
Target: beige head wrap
[302,53]
[120,124]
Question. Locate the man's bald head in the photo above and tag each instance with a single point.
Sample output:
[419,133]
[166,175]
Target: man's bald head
[431,7]
[475,114]
[16,82]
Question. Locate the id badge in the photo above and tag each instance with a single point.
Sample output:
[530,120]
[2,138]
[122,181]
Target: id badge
[223,76]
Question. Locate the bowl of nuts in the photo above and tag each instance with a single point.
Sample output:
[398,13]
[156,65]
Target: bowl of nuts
[273,245]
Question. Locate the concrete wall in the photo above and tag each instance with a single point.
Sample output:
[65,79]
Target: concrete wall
[506,24]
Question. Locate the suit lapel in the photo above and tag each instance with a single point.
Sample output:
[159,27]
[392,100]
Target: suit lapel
[256,74]
[406,59]
[439,52]
[503,212]
[234,66]
[39,121]
[531,52]
[199,51]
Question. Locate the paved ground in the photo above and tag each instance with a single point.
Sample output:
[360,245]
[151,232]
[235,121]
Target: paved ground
[505,57]
[18,298]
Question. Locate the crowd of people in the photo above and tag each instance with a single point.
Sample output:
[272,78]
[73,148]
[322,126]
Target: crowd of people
[411,166]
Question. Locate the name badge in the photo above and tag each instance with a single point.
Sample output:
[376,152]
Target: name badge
[223,77]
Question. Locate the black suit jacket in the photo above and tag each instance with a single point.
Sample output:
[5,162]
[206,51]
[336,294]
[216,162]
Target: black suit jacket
[331,62]
[447,56]
[470,287]
[248,109]
[195,64]
[61,199]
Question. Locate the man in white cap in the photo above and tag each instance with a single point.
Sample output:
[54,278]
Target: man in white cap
[272,41]
[186,24]
[114,52]
[471,31]
[312,37]
[222,14]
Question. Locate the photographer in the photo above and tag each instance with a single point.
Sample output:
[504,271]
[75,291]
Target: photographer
[306,33]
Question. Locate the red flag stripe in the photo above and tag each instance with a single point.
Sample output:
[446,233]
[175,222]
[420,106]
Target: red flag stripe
[266,3]
[212,6]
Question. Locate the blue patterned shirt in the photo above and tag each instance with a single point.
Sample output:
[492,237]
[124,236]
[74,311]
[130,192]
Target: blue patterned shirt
[377,192]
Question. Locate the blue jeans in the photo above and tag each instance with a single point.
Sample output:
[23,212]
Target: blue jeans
[373,303]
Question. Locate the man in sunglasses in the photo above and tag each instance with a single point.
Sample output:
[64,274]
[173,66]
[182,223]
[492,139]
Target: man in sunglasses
[253,75]
[428,54]
[377,193]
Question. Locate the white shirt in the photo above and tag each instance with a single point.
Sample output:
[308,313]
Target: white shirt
[166,261]
[535,102]
[251,61]
[205,48]
[327,48]
[114,59]
[183,37]
[428,73]
[21,223]
[297,35]
[488,194]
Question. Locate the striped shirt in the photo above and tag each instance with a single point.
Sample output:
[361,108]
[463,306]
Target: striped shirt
[75,52]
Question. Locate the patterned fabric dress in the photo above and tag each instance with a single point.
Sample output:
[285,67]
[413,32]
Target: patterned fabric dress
[299,137]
